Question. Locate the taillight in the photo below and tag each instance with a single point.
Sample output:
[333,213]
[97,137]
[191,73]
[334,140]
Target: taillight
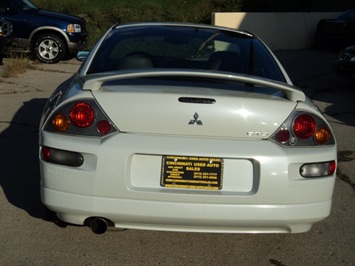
[322,135]
[103,126]
[304,126]
[80,118]
[82,114]
[46,153]
[303,129]
[283,135]
[60,122]
[318,169]
[62,157]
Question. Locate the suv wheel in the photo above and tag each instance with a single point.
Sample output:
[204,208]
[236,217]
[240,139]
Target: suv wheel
[49,48]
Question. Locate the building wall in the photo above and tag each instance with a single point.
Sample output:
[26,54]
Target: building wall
[280,31]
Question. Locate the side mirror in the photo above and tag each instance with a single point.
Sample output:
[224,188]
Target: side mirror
[81,56]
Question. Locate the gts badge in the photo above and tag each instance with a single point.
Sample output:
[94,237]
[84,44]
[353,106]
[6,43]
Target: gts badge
[195,120]
[257,134]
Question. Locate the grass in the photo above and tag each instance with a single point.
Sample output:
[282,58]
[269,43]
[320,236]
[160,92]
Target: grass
[100,15]
[17,66]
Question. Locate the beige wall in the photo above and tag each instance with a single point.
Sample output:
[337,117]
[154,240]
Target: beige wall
[280,31]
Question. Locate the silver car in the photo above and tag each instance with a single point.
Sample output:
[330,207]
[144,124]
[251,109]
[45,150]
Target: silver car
[185,127]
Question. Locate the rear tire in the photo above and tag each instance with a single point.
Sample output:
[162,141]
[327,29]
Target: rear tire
[49,48]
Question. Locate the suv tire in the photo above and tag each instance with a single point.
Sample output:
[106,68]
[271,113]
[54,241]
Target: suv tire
[49,48]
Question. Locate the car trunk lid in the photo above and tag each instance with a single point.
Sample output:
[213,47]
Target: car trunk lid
[180,106]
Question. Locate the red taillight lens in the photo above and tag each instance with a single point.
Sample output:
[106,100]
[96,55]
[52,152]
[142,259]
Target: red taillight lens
[304,126]
[46,153]
[332,167]
[82,114]
[103,126]
[283,135]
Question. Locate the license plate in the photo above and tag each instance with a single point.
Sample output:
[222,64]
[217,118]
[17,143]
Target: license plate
[192,172]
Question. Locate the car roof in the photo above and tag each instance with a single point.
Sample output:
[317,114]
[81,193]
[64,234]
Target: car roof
[182,24]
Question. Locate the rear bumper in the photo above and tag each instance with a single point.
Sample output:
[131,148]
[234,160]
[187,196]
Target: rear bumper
[192,217]
[262,191]
[77,42]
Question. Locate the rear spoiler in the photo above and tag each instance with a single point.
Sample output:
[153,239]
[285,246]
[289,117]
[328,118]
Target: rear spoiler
[95,81]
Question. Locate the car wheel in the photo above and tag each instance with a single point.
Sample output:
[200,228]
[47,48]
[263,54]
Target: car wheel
[49,48]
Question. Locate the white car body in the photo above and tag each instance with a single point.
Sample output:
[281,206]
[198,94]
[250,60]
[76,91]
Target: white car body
[191,155]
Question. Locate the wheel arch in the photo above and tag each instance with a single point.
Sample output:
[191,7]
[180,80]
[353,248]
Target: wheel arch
[44,30]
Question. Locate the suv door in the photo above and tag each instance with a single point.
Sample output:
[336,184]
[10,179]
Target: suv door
[10,10]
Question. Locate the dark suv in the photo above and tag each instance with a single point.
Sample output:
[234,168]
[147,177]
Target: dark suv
[48,35]
[5,35]
[337,33]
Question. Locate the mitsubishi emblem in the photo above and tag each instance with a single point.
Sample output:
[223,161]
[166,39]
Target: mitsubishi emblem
[195,120]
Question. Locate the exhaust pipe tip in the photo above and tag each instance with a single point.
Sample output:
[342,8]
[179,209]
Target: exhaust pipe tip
[98,225]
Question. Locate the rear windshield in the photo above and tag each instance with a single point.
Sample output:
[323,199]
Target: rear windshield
[182,47]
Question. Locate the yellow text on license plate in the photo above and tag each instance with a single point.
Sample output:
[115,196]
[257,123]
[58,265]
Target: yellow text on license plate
[192,172]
